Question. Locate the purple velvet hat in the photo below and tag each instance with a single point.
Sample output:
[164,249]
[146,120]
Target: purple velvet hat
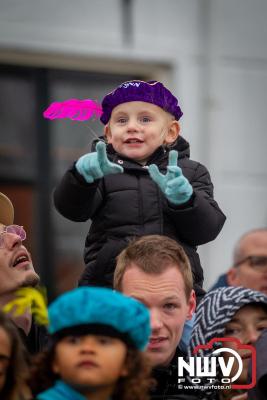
[150,92]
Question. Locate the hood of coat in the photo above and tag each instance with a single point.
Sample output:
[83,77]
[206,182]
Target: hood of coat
[182,146]
[216,309]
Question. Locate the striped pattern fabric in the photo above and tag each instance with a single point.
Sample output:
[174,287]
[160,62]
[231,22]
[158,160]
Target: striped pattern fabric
[214,312]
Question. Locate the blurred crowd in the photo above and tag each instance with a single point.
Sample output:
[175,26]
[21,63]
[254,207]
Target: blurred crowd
[155,271]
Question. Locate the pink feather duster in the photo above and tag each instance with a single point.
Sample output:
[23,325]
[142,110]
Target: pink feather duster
[75,109]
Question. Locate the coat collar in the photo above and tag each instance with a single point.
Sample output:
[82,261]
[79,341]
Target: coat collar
[60,391]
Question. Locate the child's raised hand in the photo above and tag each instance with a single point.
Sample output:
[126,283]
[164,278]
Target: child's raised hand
[95,165]
[174,185]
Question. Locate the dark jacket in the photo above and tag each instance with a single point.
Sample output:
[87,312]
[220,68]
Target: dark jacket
[167,383]
[259,392]
[221,282]
[36,340]
[129,205]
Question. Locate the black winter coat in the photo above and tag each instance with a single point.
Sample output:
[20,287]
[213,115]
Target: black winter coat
[259,391]
[36,340]
[166,379]
[129,205]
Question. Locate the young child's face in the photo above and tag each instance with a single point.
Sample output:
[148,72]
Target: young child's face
[136,129]
[90,361]
[246,325]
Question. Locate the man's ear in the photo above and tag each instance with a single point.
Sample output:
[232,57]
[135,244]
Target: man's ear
[232,277]
[191,305]
[107,133]
[173,132]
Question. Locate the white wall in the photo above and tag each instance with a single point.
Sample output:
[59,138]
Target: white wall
[212,53]
[237,120]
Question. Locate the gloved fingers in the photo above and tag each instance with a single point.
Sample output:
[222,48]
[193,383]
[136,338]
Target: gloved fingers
[178,183]
[106,166]
[156,176]
[87,165]
[173,157]
[173,172]
[102,154]
[179,186]
[112,168]
[92,166]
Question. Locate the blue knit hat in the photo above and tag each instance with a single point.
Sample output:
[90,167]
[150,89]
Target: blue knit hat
[100,311]
[150,92]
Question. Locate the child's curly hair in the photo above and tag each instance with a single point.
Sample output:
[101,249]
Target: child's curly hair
[17,370]
[134,386]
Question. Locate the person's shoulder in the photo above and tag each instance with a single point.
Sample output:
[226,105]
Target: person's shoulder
[221,282]
[183,148]
[194,170]
[37,338]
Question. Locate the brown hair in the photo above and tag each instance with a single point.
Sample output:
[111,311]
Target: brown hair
[134,386]
[152,254]
[17,370]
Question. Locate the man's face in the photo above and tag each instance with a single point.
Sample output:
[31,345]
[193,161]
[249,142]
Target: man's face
[16,269]
[246,274]
[164,295]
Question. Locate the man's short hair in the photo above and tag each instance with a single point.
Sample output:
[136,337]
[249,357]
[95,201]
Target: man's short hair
[239,248]
[152,254]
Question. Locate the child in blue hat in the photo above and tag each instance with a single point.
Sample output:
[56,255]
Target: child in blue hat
[143,182]
[98,336]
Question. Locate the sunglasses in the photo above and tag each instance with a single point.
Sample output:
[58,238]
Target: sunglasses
[253,261]
[14,230]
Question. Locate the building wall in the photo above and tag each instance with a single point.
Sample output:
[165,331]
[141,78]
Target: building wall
[211,53]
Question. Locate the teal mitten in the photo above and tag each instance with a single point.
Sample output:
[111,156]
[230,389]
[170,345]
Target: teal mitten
[174,185]
[95,165]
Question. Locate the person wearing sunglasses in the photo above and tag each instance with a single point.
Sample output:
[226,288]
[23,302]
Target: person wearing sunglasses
[16,268]
[249,262]
[17,271]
